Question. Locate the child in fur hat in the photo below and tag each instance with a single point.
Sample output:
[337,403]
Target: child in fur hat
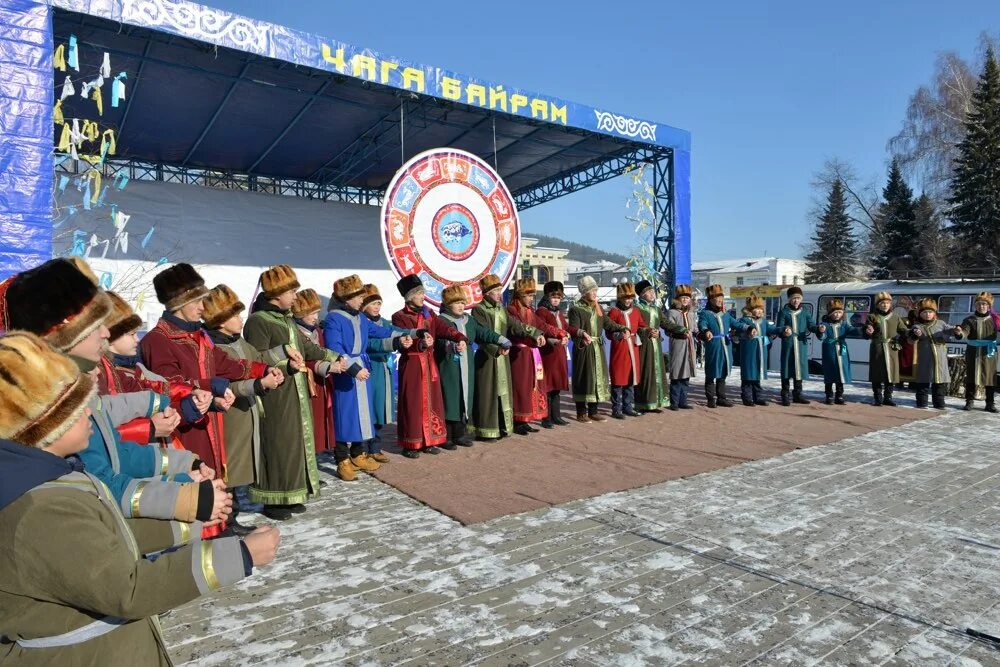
[305,312]
[555,361]
[681,324]
[836,359]
[980,332]
[651,391]
[715,326]
[75,588]
[381,357]
[794,324]
[348,333]
[590,375]
[455,363]
[754,351]
[624,364]
[886,330]
[241,422]
[930,353]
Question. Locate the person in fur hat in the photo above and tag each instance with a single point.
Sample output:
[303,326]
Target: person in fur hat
[75,588]
[526,369]
[681,324]
[555,354]
[381,357]
[930,353]
[241,423]
[836,359]
[624,365]
[980,332]
[651,391]
[305,312]
[754,351]
[794,324]
[715,325]
[886,330]
[147,482]
[289,474]
[421,417]
[348,332]
[590,375]
[455,362]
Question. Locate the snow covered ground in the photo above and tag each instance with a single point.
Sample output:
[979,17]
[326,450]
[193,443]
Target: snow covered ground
[880,549]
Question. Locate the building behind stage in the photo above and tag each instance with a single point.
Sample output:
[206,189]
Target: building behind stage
[747,272]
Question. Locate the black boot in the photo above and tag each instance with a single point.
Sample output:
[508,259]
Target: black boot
[450,442]
[829,393]
[784,392]
[710,393]
[277,512]
[922,390]
[839,397]
[522,429]
[411,453]
[991,399]
[462,436]
[937,396]
[877,393]
[746,393]
[797,396]
[720,390]
[758,398]
[555,409]
[887,397]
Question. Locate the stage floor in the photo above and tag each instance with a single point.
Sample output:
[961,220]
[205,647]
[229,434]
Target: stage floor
[877,549]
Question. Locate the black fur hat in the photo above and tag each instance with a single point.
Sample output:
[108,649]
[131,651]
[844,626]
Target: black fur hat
[57,302]
[642,286]
[178,286]
[553,287]
[407,284]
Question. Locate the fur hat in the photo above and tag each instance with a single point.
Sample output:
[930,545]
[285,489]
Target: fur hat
[81,264]
[926,304]
[277,280]
[371,295]
[554,288]
[834,304]
[178,286]
[489,282]
[882,296]
[985,296]
[220,305]
[625,291]
[42,393]
[453,294]
[586,284]
[306,301]
[642,286]
[122,318]
[408,285]
[57,302]
[348,287]
[754,301]
[794,290]
[714,291]
[525,286]
[683,290]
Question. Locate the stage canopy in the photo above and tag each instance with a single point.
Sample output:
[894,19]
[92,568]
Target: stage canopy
[219,99]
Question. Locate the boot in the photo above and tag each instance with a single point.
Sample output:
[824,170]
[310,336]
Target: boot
[434,451]
[380,457]
[797,396]
[241,494]
[596,416]
[449,444]
[616,403]
[887,396]
[362,462]
[555,409]
[462,437]
[829,393]
[278,512]
[720,390]
[991,399]
[522,429]
[582,417]
[746,393]
[937,396]
[877,393]
[784,393]
[233,527]
[628,402]
[756,393]
[411,453]
[346,470]
[710,393]
[839,397]
[297,508]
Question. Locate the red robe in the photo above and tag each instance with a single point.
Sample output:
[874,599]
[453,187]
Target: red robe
[113,380]
[624,364]
[191,357]
[320,397]
[554,360]
[530,401]
[420,416]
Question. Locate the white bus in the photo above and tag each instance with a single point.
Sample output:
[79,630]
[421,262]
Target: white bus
[954,299]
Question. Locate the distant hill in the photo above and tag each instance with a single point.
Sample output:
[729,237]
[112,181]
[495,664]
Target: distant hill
[578,251]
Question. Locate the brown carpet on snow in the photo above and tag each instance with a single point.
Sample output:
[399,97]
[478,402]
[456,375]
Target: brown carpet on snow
[524,473]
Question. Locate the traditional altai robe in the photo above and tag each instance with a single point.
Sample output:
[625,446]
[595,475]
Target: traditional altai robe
[527,371]
[492,400]
[320,392]
[383,366]
[682,358]
[754,351]
[930,351]
[650,392]
[590,375]
[795,348]
[719,350]
[555,354]
[981,351]
[457,369]
[836,360]
[624,363]
[883,357]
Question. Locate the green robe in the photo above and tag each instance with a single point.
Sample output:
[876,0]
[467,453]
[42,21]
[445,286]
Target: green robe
[650,393]
[883,355]
[458,381]
[590,368]
[980,361]
[288,474]
[492,377]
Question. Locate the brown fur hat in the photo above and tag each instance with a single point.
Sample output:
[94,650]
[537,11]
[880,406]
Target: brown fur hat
[348,287]
[525,286]
[754,301]
[834,304]
[683,290]
[489,282]
[220,305]
[178,286]
[926,304]
[453,294]
[306,301]
[371,295]
[554,288]
[57,302]
[714,291]
[882,296]
[985,296]
[277,280]
[122,318]
[625,291]
[42,393]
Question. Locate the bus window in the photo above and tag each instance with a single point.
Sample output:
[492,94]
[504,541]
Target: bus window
[856,309]
[953,309]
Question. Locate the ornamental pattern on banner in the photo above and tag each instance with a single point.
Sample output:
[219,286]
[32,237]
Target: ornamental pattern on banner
[449,218]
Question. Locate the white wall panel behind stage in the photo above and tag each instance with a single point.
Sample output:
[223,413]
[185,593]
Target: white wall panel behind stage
[230,237]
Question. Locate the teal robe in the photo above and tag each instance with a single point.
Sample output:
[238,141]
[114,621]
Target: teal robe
[719,350]
[754,351]
[795,348]
[836,360]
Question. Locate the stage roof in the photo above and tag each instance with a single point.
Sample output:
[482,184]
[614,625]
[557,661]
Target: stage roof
[213,90]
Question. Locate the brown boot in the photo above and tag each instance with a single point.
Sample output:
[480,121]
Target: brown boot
[346,471]
[380,457]
[364,462]
[582,418]
[597,417]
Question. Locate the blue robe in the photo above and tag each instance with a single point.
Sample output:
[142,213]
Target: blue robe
[754,351]
[383,367]
[719,350]
[795,348]
[348,332]
[836,360]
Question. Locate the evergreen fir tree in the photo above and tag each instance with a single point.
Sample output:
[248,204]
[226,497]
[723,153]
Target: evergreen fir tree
[833,255]
[975,185]
[896,233]
[933,253]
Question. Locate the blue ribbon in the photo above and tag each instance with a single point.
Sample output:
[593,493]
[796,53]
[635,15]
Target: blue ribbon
[990,345]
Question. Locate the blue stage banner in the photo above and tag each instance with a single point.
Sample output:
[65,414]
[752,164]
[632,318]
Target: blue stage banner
[233,31]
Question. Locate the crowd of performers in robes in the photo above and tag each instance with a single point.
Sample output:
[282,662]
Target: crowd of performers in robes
[126,463]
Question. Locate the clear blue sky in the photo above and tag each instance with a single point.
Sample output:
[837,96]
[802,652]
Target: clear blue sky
[767,89]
